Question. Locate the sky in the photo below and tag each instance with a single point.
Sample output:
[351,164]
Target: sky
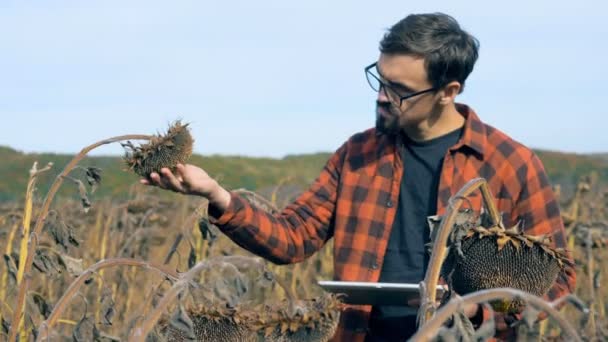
[272,78]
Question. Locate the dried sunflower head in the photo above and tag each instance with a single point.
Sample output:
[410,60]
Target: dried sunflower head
[209,322]
[315,320]
[160,151]
[483,258]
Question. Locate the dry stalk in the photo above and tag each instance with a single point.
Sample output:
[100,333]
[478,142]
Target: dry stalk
[439,250]
[428,331]
[27,214]
[32,243]
[3,282]
[61,304]
[590,276]
[27,219]
[103,250]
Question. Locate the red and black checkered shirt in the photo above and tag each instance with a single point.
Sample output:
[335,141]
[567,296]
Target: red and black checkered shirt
[355,197]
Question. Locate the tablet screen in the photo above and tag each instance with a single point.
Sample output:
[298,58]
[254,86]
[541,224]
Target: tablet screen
[370,293]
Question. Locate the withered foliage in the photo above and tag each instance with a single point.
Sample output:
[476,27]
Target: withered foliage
[245,304]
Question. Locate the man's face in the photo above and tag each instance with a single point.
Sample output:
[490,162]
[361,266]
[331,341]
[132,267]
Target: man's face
[405,74]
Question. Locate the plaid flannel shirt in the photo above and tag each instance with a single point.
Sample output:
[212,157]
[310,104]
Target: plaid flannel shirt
[354,200]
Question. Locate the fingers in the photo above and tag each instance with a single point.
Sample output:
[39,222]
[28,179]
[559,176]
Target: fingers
[171,181]
[179,172]
[155,179]
[165,180]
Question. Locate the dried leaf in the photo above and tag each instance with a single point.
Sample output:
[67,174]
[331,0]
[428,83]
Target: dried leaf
[107,306]
[537,238]
[516,243]
[46,263]
[463,326]
[6,326]
[529,316]
[85,330]
[284,327]
[240,286]
[182,322]
[72,239]
[44,308]
[433,223]
[58,229]
[306,317]
[487,330]
[74,266]
[93,177]
[501,241]
[191,257]
[208,231]
[11,267]
[174,247]
[84,199]
[266,279]
[514,230]
[268,331]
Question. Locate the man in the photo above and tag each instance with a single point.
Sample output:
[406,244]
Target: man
[374,194]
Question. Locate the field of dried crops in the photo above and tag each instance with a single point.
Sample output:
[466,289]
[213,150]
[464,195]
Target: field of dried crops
[110,270]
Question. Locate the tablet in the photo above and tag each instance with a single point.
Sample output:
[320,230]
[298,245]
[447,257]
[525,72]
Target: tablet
[369,293]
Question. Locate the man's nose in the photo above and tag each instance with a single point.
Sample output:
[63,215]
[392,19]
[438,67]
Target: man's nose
[382,97]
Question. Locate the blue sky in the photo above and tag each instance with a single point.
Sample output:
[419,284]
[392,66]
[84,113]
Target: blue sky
[270,78]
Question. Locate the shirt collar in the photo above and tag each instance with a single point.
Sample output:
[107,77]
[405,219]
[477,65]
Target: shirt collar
[474,134]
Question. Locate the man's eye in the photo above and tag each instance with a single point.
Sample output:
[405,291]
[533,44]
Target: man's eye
[399,88]
[404,91]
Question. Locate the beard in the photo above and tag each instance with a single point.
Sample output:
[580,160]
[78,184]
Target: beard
[388,125]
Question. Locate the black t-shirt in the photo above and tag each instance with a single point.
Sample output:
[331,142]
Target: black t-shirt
[406,257]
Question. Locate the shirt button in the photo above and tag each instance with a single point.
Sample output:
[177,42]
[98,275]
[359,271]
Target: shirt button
[389,203]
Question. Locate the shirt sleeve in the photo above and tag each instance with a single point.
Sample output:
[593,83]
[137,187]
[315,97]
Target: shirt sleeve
[295,233]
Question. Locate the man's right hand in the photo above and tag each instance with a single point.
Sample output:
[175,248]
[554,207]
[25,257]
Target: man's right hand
[190,180]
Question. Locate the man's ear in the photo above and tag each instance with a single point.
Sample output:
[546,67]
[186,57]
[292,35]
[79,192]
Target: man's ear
[450,91]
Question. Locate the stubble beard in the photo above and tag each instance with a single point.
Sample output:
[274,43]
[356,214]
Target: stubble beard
[387,125]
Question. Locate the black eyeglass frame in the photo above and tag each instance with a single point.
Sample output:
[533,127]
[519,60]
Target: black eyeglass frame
[368,73]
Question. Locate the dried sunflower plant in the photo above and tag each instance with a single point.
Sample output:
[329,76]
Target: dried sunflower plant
[161,151]
[222,310]
[503,269]
[208,301]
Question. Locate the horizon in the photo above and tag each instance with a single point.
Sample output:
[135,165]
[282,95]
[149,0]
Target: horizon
[270,79]
[115,155]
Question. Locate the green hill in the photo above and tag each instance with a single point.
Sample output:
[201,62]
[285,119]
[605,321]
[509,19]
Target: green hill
[237,172]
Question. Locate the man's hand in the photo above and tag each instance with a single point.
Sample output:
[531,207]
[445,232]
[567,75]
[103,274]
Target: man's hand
[190,180]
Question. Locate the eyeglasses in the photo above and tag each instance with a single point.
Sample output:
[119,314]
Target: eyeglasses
[375,81]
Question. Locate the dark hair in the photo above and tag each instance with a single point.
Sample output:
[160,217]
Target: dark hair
[449,52]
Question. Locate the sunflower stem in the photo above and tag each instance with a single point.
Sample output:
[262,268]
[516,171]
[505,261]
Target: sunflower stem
[431,279]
